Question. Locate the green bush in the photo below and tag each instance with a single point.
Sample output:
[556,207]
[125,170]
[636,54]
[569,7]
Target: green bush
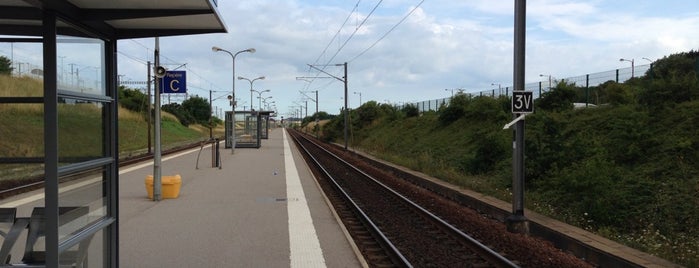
[628,170]
[5,66]
[619,94]
[132,99]
[410,110]
[672,80]
[559,98]
[180,112]
[455,109]
[491,148]
[197,109]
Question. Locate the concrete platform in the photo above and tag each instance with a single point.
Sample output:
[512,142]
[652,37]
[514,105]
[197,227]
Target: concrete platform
[261,209]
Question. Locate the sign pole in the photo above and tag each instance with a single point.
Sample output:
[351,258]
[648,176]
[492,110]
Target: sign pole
[517,222]
[150,115]
[157,148]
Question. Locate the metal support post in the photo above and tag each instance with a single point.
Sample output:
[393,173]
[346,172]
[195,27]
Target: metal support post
[346,111]
[517,222]
[150,114]
[157,161]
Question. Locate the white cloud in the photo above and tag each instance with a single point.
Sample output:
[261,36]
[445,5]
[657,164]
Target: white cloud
[443,44]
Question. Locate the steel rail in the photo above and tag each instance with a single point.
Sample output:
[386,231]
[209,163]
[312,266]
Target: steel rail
[36,182]
[483,251]
[389,247]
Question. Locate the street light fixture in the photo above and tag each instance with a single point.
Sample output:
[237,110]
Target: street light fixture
[266,103]
[259,95]
[550,78]
[251,81]
[261,99]
[232,97]
[360,98]
[452,91]
[632,65]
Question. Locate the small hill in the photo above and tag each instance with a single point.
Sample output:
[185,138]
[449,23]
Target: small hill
[627,169]
[79,126]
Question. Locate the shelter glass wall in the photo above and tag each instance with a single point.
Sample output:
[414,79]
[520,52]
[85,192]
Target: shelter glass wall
[60,110]
[85,153]
[249,135]
[21,111]
[264,129]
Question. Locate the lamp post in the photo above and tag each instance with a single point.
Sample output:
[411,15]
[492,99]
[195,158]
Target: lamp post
[549,76]
[267,104]
[259,95]
[251,81]
[452,91]
[232,97]
[264,100]
[632,65]
[360,97]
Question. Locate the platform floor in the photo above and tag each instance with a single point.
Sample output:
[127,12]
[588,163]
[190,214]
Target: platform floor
[261,209]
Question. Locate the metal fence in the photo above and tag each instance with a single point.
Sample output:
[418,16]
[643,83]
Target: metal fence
[540,87]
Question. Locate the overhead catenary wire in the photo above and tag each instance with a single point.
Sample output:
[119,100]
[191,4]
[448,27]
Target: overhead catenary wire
[356,29]
[356,6]
[339,30]
[388,32]
[346,41]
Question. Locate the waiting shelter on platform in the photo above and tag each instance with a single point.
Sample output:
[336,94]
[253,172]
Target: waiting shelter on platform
[250,128]
[76,225]
[267,121]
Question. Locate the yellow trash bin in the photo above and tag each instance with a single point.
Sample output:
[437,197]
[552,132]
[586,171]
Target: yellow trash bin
[170,186]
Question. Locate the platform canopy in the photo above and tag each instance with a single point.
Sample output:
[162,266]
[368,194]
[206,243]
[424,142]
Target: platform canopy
[116,19]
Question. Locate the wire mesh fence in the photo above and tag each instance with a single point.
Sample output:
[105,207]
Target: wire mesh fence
[540,87]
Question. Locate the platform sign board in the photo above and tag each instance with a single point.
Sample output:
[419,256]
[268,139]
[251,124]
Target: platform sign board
[174,82]
[522,102]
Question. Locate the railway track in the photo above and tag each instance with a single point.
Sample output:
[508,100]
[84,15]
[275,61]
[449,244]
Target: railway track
[37,182]
[389,228]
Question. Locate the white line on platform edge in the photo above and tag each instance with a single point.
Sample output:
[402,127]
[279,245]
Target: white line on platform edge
[303,240]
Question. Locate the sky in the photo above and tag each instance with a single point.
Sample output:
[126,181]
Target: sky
[400,51]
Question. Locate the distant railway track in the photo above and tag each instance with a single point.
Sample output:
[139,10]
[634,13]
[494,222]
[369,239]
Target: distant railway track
[390,229]
[36,182]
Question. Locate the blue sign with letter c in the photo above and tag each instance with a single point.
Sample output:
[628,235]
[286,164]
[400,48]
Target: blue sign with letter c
[174,82]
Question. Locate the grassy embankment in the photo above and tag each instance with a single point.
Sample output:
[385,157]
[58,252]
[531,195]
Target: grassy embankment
[79,128]
[624,172]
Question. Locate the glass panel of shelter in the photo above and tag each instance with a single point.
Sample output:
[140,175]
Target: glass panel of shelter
[264,129]
[21,112]
[248,135]
[82,120]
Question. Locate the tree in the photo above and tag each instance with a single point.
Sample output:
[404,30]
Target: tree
[367,113]
[673,80]
[319,115]
[176,109]
[132,99]
[560,98]
[455,110]
[618,94]
[5,65]
[410,110]
[198,108]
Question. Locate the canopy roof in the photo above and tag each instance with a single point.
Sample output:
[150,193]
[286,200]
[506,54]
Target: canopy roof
[117,19]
